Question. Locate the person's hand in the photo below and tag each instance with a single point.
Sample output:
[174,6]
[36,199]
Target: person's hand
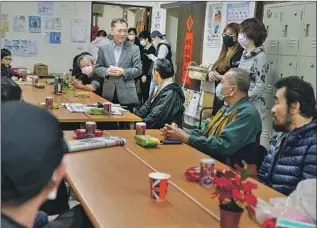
[151,57]
[172,132]
[78,84]
[115,71]
[143,79]
[14,78]
[214,76]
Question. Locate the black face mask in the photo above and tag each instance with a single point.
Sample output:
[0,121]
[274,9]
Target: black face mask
[228,41]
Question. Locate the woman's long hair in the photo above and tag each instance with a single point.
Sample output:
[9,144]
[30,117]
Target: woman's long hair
[225,55]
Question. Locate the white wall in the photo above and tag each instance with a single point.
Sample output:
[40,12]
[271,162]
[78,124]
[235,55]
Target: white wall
[210,54]
[109,12]
[59,57]
[172,15]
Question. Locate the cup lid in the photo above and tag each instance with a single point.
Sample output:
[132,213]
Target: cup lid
[160,176]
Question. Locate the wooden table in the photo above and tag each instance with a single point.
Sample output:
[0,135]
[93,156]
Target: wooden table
[114,190]
[175,159]
[33,95]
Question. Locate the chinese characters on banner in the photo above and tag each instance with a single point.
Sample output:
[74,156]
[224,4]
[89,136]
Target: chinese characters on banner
[188,49]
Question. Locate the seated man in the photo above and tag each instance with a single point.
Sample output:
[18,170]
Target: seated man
[88,80]
[292,154]
[167,102]
[27,167]
[234,126]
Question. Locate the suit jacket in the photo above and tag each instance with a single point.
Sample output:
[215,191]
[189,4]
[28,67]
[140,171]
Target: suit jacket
[130,61]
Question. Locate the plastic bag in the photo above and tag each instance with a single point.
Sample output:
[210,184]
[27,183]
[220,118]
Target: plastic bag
[297,206]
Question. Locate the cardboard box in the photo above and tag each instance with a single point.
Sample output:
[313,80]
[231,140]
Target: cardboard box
[207,100]
[40,69]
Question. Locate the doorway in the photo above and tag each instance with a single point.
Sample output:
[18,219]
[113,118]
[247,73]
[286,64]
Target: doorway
[138,17]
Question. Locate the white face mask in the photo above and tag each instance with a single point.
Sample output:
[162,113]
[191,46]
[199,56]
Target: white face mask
[143,43]
[87,70]
[131,37]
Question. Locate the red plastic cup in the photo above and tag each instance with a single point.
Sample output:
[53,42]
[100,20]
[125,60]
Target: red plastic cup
[98,133]
[158,185]
[80,133]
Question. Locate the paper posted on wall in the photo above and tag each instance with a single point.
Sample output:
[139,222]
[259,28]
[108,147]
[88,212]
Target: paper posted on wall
[45,8]
[21,47]
[214,18]
[35,24]
[79,31]
[19,23]
[238,12]
[52,23]
[4,24]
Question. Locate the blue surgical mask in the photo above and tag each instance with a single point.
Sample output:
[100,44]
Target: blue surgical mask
[218,91]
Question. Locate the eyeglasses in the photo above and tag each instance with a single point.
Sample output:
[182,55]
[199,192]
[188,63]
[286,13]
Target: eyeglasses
[8,59]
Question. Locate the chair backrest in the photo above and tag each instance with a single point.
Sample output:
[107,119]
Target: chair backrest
[252,153]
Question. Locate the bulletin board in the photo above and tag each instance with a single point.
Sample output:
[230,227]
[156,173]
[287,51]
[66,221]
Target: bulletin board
[52,33]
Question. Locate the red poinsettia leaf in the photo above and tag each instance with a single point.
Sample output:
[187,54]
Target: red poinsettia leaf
[250,200]
[236,194]
[222,182]
[270,223]
[248,186]
[237,179]
[224,195]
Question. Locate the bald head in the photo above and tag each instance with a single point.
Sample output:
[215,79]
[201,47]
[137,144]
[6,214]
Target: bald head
[239,78]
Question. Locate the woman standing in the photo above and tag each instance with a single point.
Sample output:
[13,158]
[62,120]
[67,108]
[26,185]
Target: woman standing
[145,80]
[229,57]
[251,37]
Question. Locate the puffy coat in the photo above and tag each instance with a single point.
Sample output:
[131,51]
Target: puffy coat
[291,158]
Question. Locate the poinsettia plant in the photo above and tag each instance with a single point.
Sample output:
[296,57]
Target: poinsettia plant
[234,192]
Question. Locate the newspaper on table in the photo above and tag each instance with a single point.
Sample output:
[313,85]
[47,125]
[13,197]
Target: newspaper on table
[94,143]
[78,107]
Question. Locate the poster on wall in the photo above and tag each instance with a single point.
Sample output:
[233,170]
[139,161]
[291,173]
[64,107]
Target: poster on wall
[214,30]
[35,24]
[55,38]
[238,12]
[79,31]
[19,23]
[157,20]
[4,24]
[45,8]
[52,23]
[21,47]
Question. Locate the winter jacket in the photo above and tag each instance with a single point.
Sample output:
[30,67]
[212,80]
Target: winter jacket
[166,107]
[291,159]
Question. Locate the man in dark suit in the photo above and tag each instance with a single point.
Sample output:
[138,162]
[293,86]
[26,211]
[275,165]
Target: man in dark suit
[119,62]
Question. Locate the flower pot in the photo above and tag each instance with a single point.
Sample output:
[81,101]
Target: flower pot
[229,219]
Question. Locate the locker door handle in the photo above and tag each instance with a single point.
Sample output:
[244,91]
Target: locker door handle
[306,30]
[285,30]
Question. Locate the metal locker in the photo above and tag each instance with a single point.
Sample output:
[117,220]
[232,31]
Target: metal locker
[286,66]
[272,22]
[307,70]
[291,17]
[308,43]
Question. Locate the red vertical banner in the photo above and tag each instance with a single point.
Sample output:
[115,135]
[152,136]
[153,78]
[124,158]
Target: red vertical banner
[188,49]
[188,54]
